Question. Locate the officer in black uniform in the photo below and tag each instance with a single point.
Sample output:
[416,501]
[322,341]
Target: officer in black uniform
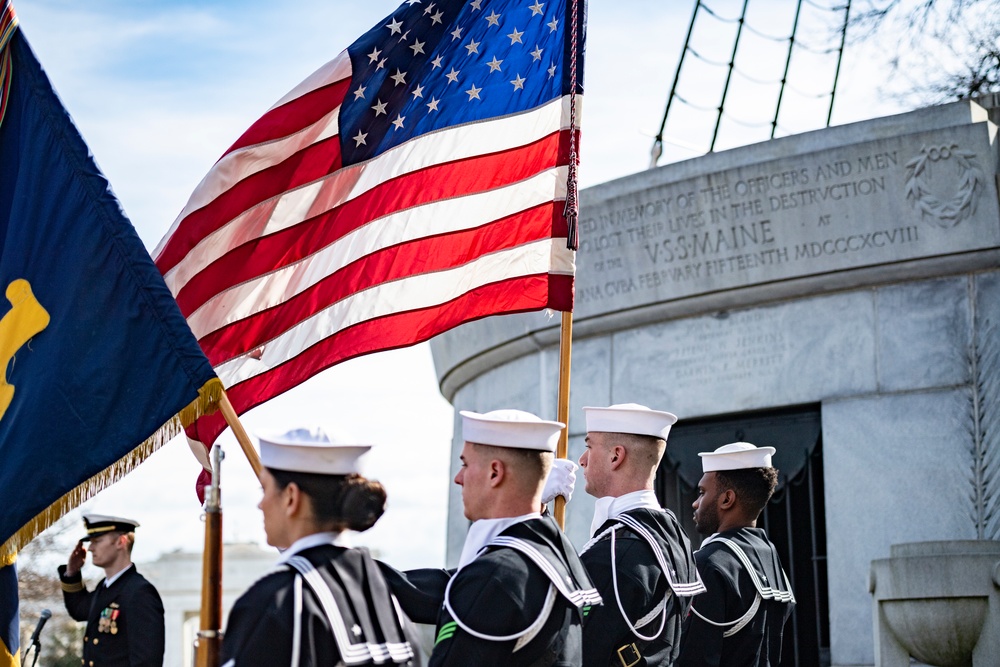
[324,603]
[639,557]
[519,590]
[738,621]
[124,613]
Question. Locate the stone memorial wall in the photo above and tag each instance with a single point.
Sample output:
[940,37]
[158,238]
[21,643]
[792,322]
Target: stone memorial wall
[863,205]
[804,214]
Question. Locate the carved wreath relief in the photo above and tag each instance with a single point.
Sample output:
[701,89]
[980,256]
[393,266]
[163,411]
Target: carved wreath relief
[944,183]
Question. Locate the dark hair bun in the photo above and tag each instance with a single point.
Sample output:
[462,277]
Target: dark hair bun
[362,502]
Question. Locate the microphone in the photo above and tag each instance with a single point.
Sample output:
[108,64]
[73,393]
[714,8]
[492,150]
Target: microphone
[44,616]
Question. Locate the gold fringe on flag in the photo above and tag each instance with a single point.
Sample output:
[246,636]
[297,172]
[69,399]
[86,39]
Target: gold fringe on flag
[8,559]
[206,403]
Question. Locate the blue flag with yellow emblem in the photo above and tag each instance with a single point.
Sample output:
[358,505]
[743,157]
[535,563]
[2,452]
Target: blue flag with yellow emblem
[99,367]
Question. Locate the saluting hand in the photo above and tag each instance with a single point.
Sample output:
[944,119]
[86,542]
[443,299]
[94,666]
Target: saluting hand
[76,560]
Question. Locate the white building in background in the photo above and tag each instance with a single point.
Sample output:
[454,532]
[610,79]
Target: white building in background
[177,576]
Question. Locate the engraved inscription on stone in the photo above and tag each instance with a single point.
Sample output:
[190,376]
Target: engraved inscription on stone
[873,203]
[710,352]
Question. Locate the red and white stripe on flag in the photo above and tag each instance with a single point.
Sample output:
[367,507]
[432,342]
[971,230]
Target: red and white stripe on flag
[285,261]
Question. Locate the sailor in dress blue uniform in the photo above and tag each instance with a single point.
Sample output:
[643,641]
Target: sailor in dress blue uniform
[639,557]
[519,590]
[739,620]
[324,603]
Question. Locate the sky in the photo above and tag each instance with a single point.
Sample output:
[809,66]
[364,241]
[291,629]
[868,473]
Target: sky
[160,90]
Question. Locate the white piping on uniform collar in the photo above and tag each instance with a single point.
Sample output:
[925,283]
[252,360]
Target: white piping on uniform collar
[609,507]
[483,531]
[707,540]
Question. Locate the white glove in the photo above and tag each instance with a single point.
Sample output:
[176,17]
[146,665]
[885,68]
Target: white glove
[560,481]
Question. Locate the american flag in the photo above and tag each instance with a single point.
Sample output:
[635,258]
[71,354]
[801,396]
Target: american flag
[415,182]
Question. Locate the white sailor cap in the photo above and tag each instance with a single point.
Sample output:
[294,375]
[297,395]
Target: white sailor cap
[630,418]
[736,456]
[311,450]
[98,524]
[511,428]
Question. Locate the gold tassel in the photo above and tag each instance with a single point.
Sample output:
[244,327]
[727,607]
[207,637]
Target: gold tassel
[206,403]
[7,560]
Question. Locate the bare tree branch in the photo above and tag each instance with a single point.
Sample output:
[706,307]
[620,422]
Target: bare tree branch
[946,49]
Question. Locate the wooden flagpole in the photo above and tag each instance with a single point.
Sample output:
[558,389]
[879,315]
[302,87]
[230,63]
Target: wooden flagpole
[562,448]
[571,213]
[241,435]
[207,648]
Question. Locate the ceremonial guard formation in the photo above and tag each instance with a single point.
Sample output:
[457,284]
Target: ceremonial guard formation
[325,603]
[636,596]
[738,621]
[124,613]
[518,595]
[639,557]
